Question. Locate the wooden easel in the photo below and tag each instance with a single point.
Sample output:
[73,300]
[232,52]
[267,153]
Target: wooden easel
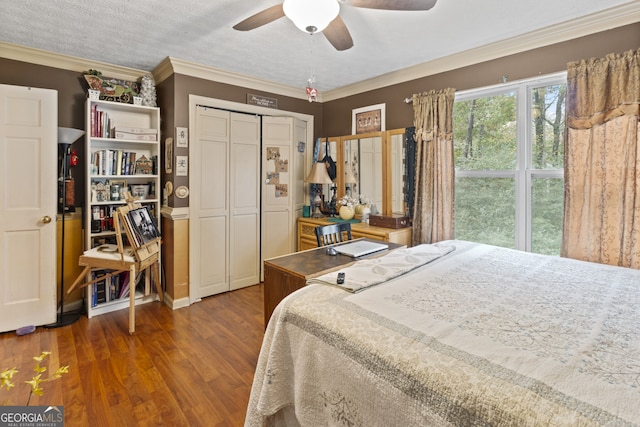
[135,258]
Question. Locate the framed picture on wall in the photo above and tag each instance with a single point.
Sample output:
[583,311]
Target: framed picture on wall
[368,119]
[182,137]
[168,155]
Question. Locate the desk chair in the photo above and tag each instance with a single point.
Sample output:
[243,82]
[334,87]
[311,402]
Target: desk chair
[118,259]
[334,233]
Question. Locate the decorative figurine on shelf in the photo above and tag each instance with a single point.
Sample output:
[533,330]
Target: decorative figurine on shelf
[333,209]
[144,166]
[148,91]
[109,88]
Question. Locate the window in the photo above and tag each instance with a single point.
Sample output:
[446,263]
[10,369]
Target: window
[509,153]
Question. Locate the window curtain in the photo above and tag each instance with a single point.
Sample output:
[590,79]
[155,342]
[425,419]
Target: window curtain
[434,171]
[602,161]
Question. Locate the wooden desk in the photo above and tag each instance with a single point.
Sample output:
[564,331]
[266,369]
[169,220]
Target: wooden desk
[307,234]
[288,273]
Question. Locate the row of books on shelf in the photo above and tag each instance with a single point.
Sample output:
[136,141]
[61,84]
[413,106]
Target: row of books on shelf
[110,289]
[120,162]
[103,126]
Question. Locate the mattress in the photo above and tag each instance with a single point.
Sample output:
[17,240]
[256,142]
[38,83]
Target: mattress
[477,335]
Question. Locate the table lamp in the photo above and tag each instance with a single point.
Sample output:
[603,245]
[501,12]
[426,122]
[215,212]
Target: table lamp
[349,178]
[318,175]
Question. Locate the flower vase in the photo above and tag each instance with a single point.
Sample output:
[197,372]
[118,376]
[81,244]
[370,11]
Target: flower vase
[346,212]
[366,210]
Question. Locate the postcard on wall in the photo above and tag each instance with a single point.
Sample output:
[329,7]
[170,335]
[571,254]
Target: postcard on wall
[282,165]
[182,165]
[273,178]
[273,153]
[282,190]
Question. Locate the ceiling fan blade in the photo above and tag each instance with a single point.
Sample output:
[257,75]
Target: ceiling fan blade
[260,18]
[338,35]
[393,4]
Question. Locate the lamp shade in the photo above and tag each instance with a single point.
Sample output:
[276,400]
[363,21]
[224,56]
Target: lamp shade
[311,16]
[318,174]
[68,136]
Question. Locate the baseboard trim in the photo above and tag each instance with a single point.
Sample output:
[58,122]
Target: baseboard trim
[176,304]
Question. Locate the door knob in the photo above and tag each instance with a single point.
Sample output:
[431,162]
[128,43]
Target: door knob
[45,219]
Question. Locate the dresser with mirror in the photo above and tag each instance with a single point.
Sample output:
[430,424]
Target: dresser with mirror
[376,165]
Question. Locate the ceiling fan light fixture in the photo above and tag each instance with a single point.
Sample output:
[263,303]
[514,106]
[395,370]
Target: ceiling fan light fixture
[311,16]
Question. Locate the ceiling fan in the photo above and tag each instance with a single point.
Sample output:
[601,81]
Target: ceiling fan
[314,16]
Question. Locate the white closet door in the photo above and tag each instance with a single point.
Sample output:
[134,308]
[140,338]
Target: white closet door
[209,238]
[245,201]
[277,210]
[225,238]
[28,192]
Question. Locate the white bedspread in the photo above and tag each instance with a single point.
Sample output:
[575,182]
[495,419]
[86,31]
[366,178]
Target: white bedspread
[481,336]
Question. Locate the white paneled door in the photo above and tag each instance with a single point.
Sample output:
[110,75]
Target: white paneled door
[28,192]
[225,201]
[277,212]
[244,200]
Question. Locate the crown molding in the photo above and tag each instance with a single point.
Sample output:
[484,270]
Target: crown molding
[165,69]
[67,62]
[625,14]
[619,16]
[172,65]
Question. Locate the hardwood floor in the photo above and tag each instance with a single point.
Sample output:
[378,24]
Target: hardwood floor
[188,367]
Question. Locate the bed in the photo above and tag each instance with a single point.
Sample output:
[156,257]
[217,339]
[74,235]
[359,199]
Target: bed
[455,333]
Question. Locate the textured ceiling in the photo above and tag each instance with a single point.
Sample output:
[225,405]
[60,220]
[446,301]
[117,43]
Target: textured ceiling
[141,34]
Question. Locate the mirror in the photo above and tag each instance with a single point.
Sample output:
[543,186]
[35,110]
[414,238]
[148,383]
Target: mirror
[373,165]
[397,172]
[363,165]
[326,150]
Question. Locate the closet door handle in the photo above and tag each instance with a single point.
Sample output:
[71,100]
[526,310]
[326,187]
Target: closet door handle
[45,219]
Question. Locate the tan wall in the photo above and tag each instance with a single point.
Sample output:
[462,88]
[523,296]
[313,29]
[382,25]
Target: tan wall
[73,246]
[175,257]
